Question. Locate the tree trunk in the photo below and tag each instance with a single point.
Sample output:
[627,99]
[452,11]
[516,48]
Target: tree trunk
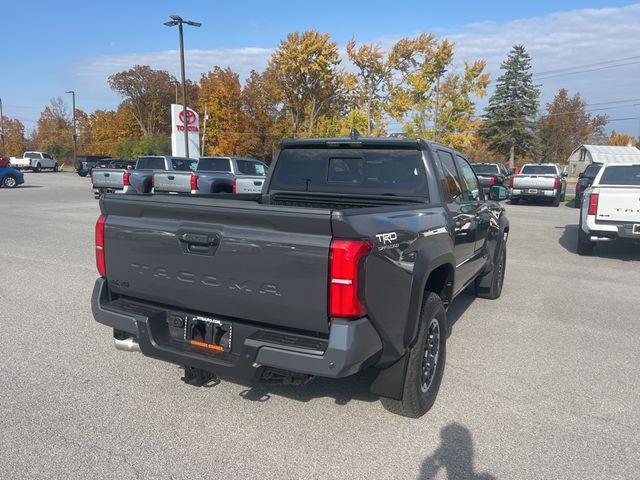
[512,156]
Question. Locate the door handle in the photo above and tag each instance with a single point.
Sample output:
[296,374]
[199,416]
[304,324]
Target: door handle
[199,239]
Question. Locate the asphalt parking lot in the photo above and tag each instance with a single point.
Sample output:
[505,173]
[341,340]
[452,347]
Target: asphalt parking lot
[542,383]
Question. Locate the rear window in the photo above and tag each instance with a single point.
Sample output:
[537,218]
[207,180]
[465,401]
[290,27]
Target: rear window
[31,155]
[592,170]
[184,164]
[251,167]
[621,175]
[150,163]
[539,170]
[214,165]
[365,171]
[485,169]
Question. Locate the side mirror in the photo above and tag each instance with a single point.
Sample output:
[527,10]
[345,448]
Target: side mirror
[498,192]
[512,171]
[565,174]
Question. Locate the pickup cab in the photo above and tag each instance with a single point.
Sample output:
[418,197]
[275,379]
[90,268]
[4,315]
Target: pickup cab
[215,175]
[347,260]
[35,161]
[138,180]
[610,209]
[539,181]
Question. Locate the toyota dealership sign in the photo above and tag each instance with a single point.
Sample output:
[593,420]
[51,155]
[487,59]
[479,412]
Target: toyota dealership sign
[177,132]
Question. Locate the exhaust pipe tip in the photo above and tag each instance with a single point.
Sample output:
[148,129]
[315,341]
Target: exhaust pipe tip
[127,345]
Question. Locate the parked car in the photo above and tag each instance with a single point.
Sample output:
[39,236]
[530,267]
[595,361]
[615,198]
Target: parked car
[215,175]
[611,207]
[348,259]
[585,179]
[490,174]
[86,163]
[138,180]
[10,177]
[539,181]
[35,161]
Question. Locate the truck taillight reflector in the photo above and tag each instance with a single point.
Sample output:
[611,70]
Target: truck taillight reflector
[125,179]
[100,262]
[234,186]
[593,204]
[510,182]
[194,182]
[344,270]
[556,184]
[492,181]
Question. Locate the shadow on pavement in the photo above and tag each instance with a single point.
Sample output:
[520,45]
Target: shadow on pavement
[616,250]
[454,455]
[459,306]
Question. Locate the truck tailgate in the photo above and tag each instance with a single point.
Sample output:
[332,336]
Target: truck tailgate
[107,178]
[231,258]
[172,182]
[539,182]
[619,204]
[249,184]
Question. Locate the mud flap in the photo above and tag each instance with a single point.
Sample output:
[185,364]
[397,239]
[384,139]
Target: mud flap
[390,381]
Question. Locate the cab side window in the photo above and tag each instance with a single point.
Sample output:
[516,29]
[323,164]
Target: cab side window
[471,189]
[451,185]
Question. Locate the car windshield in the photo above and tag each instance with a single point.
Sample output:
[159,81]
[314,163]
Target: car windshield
[621,175]
[592,170]
[485,169]
[184,164]
[539,170]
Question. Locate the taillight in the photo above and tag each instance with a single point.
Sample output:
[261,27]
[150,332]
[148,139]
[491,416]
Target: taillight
[125,179]
[344,268]
[593,204]
[234,186]
[492,181]
[556,183]
[100,262]
[578,187]
[510,182]
[153,181]
[194,182]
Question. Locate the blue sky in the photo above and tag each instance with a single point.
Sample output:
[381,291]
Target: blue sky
[50,47]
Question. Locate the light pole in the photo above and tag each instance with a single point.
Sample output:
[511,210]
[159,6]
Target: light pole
[75,133]
[435,119]
[176,20]
[2,128]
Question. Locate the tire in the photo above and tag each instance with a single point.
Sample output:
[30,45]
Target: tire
[563,196]
[421,382]
[9,181]
[37,168]
[556,202]
[83,174]
[515,201]
[496,276]
[56,168]
[585,245]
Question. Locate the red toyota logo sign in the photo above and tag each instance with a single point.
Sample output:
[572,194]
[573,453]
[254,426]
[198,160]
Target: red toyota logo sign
[191,116]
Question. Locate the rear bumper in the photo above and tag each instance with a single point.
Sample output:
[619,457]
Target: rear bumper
[352,344]
[610,230]
[533,193]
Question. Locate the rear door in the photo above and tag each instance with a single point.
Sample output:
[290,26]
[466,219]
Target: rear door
[227,258]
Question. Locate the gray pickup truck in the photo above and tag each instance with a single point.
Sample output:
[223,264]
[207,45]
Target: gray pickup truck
[539,181]
[138,180]
[349,259]
[215,175]
[490,174]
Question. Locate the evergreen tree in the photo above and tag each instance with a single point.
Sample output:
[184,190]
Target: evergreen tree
[510,125]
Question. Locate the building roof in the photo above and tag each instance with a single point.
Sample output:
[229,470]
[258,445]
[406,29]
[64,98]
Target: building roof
[604,153]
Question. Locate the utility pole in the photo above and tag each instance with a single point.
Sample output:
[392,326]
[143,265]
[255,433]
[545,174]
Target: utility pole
[176,20]
[439,73]
[2,128]
[75,132]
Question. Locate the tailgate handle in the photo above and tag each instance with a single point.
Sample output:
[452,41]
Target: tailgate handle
[200,244]
[171,177]
[257,183]
[106,174]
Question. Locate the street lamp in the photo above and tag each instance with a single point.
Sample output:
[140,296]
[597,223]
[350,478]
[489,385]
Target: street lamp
[435,119]
[176,20]
[75,133]
[2,128]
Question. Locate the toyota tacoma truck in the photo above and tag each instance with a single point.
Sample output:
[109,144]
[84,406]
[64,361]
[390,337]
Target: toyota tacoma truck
[140,179]
[611,207]
[539,181]
[214,175]
[347,260]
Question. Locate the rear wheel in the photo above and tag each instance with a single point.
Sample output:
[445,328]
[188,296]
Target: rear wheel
[585,245]
[56,168]
[556,202]
[491,287]
[9,181]
[37,168]
[515,201]
[426,363]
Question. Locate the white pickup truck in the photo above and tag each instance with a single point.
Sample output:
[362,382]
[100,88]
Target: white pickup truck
[610,207]
[35,161]
[539,181]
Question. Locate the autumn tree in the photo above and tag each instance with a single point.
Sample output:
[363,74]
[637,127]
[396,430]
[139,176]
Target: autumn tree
[149,94]
[510,123]
[305,69]
[53,133]
[622,139]
[14,140]
[109,129]
[566,125]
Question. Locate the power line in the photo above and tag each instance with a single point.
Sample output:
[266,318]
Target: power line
[588,65]
[547,77]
